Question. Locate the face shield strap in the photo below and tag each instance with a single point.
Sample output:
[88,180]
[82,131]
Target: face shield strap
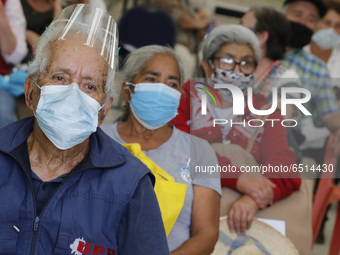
[211,65]
[127,86]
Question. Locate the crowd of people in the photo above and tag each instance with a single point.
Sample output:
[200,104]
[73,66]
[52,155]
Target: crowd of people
[145,185]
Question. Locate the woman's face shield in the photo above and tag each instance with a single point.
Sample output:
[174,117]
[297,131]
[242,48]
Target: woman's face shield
[93,27]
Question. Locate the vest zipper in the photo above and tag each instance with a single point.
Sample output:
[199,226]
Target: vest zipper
[38,218]
[35,229]
[36,223]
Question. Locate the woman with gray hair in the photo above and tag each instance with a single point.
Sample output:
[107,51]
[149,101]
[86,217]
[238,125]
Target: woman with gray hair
[230,56]
[151,89]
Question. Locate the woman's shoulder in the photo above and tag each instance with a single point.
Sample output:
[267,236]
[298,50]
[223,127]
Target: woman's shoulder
[111,130]
[197,146]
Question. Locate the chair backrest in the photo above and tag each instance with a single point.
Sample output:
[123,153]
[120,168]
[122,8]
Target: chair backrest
[145,25]
[325,187]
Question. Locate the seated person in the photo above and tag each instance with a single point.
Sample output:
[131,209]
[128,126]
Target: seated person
[65,186]
[191,26]
[230,56]
[273,32]
[38,14]
[151,89]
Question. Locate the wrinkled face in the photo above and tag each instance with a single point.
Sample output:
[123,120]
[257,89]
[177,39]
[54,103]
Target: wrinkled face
[76,63]
[72,62]
[161,68]
[304,13]
[234,57]
[330,20]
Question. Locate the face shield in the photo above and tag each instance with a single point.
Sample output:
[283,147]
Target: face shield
[90,26]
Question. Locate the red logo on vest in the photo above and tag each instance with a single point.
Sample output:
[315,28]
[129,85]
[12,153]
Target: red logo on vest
[80,247]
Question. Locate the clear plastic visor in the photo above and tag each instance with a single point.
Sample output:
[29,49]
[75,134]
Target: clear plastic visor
[93,27]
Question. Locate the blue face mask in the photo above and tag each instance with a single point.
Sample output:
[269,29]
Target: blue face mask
[66,115]
[154,104]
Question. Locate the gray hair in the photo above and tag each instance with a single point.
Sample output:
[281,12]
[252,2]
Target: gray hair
[226,34]
[43,56]
[137,60]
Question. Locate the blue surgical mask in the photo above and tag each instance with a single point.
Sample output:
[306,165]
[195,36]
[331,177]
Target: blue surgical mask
[326,38]
[154,104]
[66,115]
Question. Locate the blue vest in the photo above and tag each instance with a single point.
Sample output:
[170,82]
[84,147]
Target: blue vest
[87,213]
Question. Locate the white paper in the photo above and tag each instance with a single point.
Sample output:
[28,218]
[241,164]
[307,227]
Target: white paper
[279,225]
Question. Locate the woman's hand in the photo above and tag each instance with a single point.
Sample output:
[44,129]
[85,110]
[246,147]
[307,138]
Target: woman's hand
[241,214]
[204,223]
[257,187]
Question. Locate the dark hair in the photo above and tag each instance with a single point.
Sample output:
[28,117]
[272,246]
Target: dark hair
[333,5]
[278,27]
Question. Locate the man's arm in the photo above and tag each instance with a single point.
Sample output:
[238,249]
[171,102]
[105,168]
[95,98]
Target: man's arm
[141,229]
[332,122]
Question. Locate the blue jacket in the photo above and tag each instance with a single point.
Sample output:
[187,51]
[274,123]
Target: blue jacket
[106,205]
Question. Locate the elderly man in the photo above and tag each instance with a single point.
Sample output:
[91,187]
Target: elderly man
[66,187]
[304,16]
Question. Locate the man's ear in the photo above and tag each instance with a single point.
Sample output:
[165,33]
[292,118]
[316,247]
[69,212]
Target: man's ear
[29,88]
[263,38]
[107,106]
[105,110]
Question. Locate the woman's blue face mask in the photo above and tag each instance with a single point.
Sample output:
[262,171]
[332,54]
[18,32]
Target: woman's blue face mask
[154,104]
[66,115]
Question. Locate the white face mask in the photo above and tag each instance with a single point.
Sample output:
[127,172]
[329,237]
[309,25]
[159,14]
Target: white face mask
[66,115]
[326,38]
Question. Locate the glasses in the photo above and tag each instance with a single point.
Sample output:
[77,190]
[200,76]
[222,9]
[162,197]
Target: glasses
[228,64]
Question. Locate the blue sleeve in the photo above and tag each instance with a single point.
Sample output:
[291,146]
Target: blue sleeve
[141,230]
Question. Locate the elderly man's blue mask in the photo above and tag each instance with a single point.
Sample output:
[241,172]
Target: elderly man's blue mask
[66,115]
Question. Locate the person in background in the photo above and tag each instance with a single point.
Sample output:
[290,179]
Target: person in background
[151,89]
[230,56]
[273,32]
[326,41]
[191,24]
[65,186]
[39,14]
[12,50]
[325,45]
[304,16]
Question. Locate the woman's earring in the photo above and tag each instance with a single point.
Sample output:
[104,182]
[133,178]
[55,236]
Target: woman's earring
[126,104]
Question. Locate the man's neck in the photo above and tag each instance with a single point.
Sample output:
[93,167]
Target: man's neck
[49,162]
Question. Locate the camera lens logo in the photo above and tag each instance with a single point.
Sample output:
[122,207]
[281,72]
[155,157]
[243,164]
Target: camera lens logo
[204,98]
